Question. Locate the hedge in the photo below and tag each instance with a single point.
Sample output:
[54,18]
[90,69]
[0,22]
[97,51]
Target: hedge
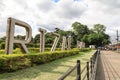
[15,62]
[37,49]
[85,49]
[31,50]
[16,51]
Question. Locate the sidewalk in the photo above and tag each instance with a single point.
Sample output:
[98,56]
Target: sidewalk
[108,66]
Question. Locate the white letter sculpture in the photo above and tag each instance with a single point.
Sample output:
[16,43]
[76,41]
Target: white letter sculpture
[80,44]
[11,22]
[55,41]
[42,39]
[64,43]
[69,42]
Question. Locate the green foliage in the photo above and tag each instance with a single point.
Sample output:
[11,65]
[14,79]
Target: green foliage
[85,49]
[2,45]
[80,30]
[85,39]
[49,40]
[16,51]
[49,56]
[2,51]
[31,45]
[49,71]
[36,50]
[97,36]
[93,38]
[37,39]
[19,37]
[96,39]
[99,28]
[2,39]
[14,62]
[31,50]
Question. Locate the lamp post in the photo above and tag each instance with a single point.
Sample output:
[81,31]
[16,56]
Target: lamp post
[117,41]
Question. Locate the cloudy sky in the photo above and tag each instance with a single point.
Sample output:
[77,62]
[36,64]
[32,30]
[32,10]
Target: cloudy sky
[49,14]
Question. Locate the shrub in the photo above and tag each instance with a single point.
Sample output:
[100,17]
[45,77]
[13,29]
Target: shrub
[39,58]
[85,49]
[35,50]
[2,45]
[15,62]
[16,51]
[2,51]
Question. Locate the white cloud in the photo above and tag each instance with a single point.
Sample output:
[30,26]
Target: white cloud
[70,9]
[49,14]
[45,5]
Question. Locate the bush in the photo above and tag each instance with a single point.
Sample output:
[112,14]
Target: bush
[2,51]
[34,50]
[16,51]
[14,62]
[85,49]
[2,45]
[49,56]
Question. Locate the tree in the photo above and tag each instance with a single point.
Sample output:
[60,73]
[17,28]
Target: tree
[36,40]
[85,39]
[2,39]
[106,39]
[2,45]
[99,28]
[96,39]
[80,30]
[97,36]
[49,39]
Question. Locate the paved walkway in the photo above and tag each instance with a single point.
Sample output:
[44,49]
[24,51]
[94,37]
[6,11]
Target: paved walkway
[108,66]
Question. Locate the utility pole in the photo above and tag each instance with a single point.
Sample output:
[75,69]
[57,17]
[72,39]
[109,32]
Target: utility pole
[117,40]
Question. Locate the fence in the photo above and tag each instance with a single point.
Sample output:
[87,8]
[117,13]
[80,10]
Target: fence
[90,68]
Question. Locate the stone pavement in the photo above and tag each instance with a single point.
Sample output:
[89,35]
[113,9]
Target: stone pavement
[108,66]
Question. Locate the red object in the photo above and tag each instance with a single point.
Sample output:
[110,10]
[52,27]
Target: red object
[117,46]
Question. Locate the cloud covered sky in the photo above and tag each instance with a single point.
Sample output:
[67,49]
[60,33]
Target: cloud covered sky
[49,14]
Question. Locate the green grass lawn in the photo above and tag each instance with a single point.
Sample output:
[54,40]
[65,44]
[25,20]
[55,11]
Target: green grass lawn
[49,71]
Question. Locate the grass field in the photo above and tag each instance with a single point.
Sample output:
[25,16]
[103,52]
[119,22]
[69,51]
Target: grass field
[48,71]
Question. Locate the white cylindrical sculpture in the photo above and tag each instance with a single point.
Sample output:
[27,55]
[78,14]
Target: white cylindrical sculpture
[42,39]
[64,44]
[69,42]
